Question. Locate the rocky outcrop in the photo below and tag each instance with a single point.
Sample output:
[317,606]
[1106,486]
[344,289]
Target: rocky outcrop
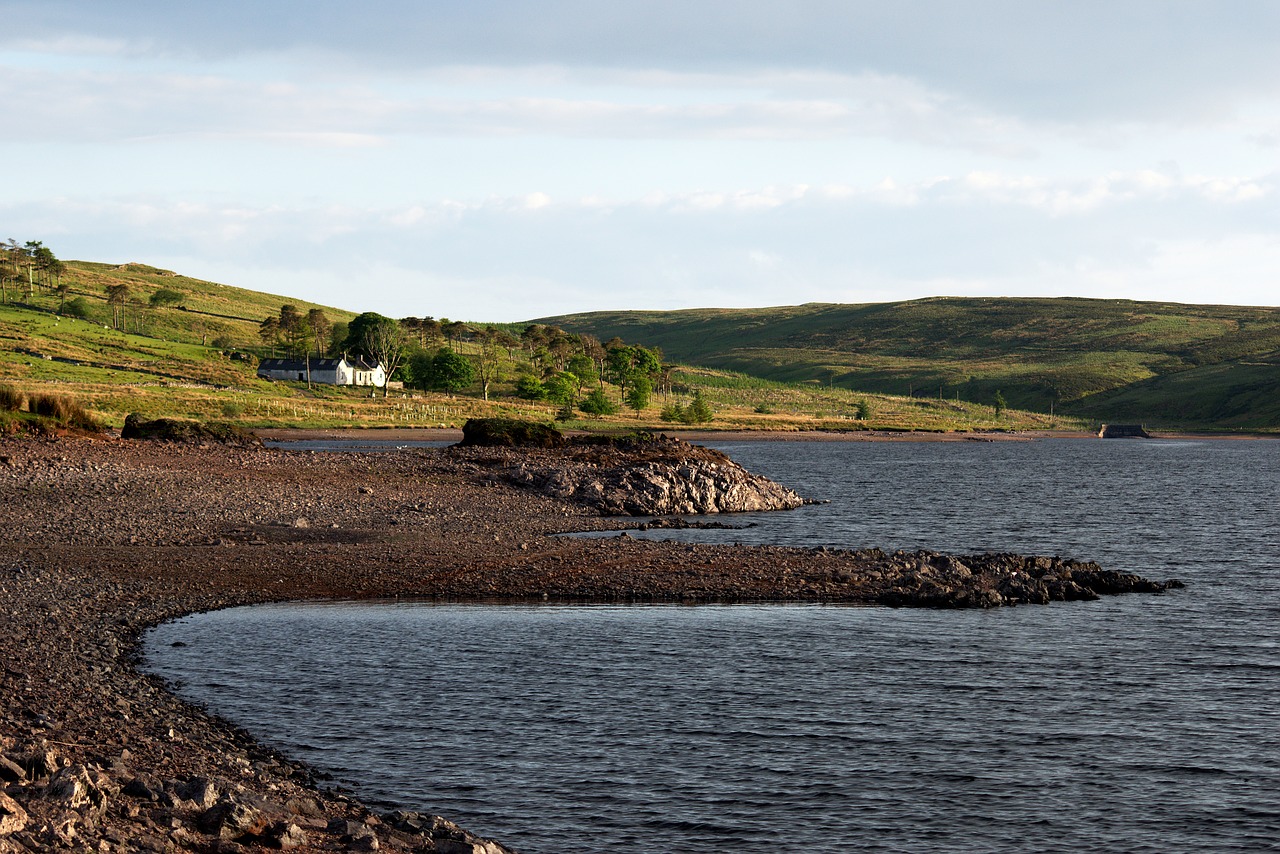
[641,475]
[932,580]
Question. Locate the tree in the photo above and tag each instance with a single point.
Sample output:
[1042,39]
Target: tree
[446,371]
[489,361]
[862,411]
[9,254]
[320,326]
[139,314]
[166,297]
[32,250]
[269,332]
[698,411]
[530,387]
[582,368]
[639,393]
[625,364]
[455,332]
[338,336]
[353,344]
[384,342]
[117,298]
[595,351]
[429,332]
[597,403]
[1000,405]
[293,326]
[562,388]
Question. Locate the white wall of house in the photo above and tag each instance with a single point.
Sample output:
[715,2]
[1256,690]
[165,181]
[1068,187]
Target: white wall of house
[343,373]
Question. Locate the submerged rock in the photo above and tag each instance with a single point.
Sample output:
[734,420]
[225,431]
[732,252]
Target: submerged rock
[926,579]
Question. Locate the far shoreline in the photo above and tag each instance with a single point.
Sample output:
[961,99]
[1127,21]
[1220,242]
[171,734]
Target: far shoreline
[453,434]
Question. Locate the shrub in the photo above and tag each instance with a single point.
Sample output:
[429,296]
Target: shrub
[11,399]
[862,411]
[62,411]
[562,388]
[530,388]
[597,404]
[698,411]
[232,410]
[78,307]
[673,412]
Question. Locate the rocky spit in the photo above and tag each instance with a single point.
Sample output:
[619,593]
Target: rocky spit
[101,539]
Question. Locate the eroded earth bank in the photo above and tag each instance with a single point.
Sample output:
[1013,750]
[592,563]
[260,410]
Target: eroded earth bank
[100,539]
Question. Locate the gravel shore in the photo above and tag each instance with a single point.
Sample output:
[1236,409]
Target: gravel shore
[102,539]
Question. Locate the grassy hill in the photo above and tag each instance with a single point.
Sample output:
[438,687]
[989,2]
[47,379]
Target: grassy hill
[1164,363]
[198,359]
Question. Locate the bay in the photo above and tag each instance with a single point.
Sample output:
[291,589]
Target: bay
[1138,723]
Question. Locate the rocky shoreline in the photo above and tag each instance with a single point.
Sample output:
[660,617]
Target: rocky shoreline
[102,539]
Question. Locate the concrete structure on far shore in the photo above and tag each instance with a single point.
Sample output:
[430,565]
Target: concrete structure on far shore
[1123,431]
[341,371]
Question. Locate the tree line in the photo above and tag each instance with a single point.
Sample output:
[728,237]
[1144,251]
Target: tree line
[544,362]
[26,266]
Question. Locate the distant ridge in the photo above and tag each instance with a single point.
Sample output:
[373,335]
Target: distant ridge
[1211,365]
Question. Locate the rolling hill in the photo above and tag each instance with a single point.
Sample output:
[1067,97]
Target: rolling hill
[1192,365]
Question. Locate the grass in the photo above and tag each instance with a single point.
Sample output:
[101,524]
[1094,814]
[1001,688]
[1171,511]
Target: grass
[1072,355]
[928,364]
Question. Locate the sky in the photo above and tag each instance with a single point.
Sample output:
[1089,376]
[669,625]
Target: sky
[501,160]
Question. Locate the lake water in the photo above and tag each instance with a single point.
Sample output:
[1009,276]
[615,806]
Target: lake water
[1135,723]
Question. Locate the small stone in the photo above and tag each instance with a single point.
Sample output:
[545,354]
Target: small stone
[366,490]
[201,791]
[283,835]
[229,819]
[79,789]
[10,771]
[13,817]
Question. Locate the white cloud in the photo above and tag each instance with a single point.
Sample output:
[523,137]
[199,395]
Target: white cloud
[1140,235]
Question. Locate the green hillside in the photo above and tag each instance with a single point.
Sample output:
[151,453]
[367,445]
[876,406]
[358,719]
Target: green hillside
[207,310]
[1159,362]
[170,345]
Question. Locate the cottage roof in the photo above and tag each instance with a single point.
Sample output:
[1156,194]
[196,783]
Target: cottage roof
[361,364]
[299,364]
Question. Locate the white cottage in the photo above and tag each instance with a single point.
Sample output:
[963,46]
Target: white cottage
[340,371]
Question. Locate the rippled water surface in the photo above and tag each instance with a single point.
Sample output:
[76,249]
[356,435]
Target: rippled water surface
[1138,723]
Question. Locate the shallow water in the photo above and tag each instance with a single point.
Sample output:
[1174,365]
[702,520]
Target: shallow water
[1138,723]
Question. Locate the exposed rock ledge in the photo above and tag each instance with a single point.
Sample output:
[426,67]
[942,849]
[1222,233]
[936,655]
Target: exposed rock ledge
[642,475]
